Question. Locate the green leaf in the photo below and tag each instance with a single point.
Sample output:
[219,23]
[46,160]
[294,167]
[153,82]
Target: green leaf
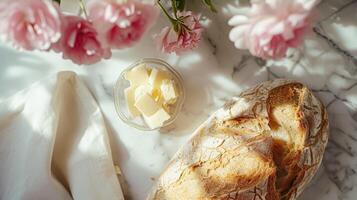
[180,4]
[58,1]
[210,5]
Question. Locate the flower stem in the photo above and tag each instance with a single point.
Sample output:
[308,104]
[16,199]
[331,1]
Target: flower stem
[172,20]
[83,8]
[173,3]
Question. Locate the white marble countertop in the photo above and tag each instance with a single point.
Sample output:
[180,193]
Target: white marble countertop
[212,74]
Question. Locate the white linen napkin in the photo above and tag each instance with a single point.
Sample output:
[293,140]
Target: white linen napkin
[54,144]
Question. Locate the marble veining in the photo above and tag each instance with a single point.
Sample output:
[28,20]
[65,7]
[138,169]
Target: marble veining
[212,74]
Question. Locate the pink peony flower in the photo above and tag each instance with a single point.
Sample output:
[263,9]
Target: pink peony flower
[121,24]
[186,38]
[272,27]
[79,42]
[30,24]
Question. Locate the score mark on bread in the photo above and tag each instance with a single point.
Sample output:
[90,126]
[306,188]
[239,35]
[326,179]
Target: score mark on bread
[266,144]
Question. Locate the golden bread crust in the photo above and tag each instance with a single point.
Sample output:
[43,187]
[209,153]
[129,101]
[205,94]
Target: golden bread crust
[265,144]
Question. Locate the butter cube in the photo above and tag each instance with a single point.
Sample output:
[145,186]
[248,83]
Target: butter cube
[157,76]
[157,120]
[130,101]
[147,105]
[138,75]
[141,90]
[168,91]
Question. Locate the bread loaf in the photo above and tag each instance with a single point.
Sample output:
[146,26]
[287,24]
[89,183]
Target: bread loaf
[266,144]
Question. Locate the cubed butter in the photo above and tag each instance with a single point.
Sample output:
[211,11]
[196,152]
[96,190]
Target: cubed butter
[168,91]
[138,75]
[151,94]
[141,90]
[130,101]
[147,105]
[157,76]
[157,119]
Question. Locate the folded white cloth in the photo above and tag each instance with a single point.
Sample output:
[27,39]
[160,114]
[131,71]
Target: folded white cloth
[54,144]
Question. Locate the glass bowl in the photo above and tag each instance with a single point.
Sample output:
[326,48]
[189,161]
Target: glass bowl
[121,104]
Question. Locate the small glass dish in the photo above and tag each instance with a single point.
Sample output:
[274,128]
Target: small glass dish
[121,104]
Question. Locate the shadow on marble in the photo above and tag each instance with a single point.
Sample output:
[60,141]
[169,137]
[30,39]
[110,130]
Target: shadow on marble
[339,30]
[204,81]
[312,64]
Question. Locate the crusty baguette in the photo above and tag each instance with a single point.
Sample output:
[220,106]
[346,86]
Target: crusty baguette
[266,144]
